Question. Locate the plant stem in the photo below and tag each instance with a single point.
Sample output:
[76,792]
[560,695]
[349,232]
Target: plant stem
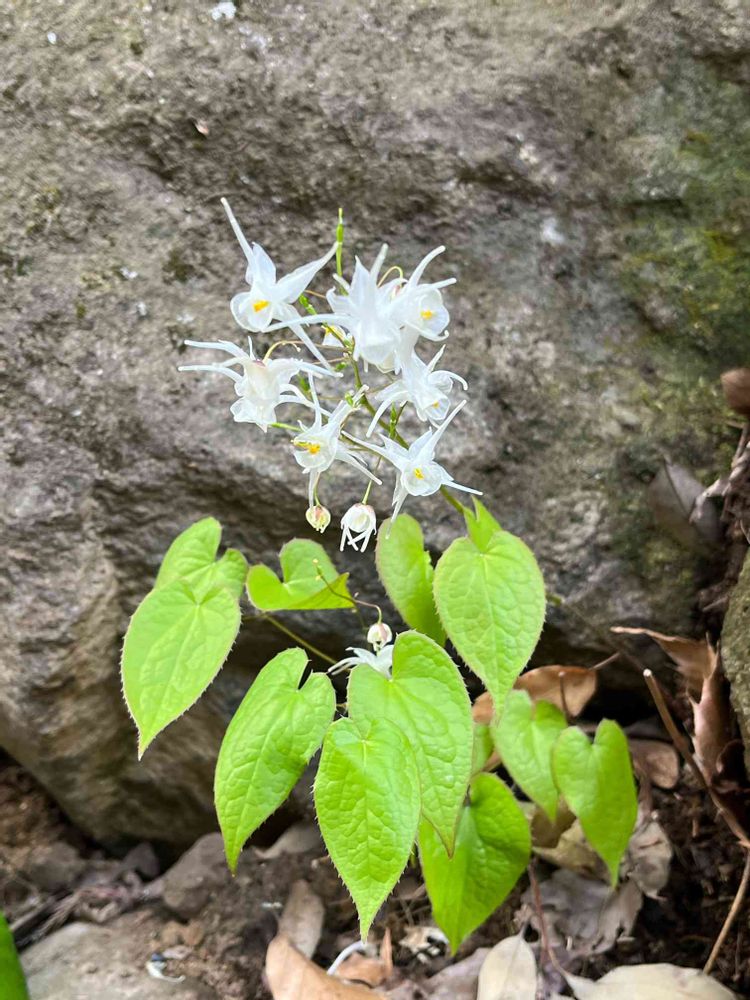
[731,916]
[298,638]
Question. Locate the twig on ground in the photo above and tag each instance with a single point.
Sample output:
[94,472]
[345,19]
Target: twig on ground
[734,909]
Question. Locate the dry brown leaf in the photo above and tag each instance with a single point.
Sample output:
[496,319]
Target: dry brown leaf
[549,683]
[482,710]
[583,916]
[659,761]
[657,982]
[695,658]
[573,851]
[712,718]
[302,918]
[508,972]
[366,969]
[648,857]
[291,976]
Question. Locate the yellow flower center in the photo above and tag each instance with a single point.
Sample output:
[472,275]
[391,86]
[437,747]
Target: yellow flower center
[308,446]
[419,474]
[260,304]
[427,314]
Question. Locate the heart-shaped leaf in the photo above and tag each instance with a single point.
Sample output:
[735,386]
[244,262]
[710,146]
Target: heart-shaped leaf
[175,644]
[427,700]
[492,849]
[192,558]
[269,742]
[490,597]
[524,736]
[367,801]
[310,581]
[596,780]
[11,975]
[405,570]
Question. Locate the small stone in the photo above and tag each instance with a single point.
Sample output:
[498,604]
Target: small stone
[191,882]
[54,868]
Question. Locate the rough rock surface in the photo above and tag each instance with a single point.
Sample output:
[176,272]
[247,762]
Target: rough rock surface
[86,962]
[190,883]
[735,653]
[584,164]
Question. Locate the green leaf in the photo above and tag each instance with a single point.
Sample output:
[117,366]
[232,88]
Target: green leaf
[269,742]
[481,525]
[493,846]
[175,644]
[597,783]
[12,979]
[491,601]
[310,581]
[406,572]
[482,747]
[192,558]
[427,700]
[367,800]
[524,736]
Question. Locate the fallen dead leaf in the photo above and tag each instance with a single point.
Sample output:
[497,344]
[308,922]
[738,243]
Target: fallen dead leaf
[695,658]
[297,839]
[455,982]
[657,982]
[508,972]
[648,857]
[482,710]
[712,719]
[425,939]
[301,921]
[583,916]
[657,760]
[549,683]
[369,969]
[291,976]
[573,851]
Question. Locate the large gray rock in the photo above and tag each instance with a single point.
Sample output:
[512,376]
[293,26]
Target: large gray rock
[582,163]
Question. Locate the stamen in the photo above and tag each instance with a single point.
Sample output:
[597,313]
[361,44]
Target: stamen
[260,305]
[419,474]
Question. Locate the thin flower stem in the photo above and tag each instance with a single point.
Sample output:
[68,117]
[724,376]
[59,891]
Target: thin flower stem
[298,638]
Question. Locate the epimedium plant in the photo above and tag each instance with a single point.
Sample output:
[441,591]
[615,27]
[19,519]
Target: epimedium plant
[401,761]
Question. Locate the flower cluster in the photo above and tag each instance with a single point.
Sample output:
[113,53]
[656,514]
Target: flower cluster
[372,328]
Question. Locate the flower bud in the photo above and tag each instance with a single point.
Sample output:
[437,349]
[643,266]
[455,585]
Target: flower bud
[379,635]
[357,525]
[318,517]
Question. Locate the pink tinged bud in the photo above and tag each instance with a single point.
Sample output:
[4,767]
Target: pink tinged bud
[318,517]
[379,635]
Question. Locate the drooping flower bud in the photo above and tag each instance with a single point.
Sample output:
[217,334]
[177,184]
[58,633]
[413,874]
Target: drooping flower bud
[357,525]
[318,517]
[379,635]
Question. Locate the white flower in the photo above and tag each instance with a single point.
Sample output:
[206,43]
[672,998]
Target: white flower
[261,385]
[357,525]
[420,307]
[379,635]
[318,517]
[384,319]
[382,660]
[427,390]
[270,298]
[318,446]
[418,472]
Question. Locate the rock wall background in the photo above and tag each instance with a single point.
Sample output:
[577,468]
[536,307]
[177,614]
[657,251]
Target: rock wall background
[587,166]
